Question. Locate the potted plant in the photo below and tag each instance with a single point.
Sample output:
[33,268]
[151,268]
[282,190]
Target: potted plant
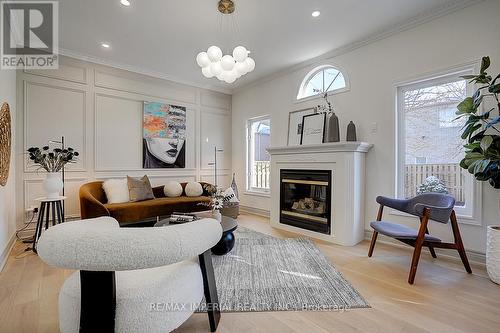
[482,148]
[52,161]
[216,202]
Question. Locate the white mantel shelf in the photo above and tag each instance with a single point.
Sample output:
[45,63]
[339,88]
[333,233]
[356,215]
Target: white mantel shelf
[330,147]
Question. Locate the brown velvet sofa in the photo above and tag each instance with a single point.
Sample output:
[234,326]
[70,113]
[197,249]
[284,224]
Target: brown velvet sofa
[93,203]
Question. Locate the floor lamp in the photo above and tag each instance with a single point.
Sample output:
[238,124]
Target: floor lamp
[215,163]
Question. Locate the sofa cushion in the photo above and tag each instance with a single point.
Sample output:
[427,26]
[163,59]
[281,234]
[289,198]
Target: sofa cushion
[137,211]
[193,189]
[140,189]
[116,190]
[173,189]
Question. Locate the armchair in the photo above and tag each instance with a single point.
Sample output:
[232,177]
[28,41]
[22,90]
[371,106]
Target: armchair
[429,206]
[132,279]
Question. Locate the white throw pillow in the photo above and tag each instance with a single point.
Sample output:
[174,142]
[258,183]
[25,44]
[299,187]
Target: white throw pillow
[116,190]
[193,189]
[229,195]
[172,189]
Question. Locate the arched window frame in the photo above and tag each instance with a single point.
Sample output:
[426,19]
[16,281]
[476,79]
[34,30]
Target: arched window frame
[312,73]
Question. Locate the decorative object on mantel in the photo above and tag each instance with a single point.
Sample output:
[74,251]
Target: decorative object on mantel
[482,157]
[226,68]
[5,143]
[313,129]
[351,132]
[295,125]
[52,161]
[332,133]
[493,253]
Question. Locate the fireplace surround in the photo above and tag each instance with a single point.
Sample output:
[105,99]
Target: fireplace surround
[343,163]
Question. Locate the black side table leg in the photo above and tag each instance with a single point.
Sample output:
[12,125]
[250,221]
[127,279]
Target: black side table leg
[39,224]
[47,216]
[59,212]
[54,203]
[211,297]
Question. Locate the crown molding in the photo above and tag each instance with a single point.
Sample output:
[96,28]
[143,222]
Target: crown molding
[139,70]
[421,18]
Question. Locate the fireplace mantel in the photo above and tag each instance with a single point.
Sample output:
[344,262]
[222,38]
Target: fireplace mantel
[346,161]
[348,146]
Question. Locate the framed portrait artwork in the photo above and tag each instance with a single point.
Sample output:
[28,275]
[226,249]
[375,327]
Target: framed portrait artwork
[313,129]
[295,125]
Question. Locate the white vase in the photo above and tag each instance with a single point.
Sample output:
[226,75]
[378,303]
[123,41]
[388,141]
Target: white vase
[53,185]
[217,215]
[493,253]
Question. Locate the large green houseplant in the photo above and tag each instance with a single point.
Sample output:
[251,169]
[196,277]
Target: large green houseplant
[482,149]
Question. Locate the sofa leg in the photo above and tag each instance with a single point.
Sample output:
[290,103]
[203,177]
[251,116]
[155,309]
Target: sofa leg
[211,297]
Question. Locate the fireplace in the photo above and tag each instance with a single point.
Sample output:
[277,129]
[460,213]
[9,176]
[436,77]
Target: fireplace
[305,199]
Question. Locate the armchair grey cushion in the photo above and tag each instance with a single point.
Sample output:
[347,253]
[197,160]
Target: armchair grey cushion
[440,205]
[399,231]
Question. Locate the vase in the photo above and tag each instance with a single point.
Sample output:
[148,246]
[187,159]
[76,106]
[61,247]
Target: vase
[332,133]
[53,185]
[217,215]
[351,132]
[493,253]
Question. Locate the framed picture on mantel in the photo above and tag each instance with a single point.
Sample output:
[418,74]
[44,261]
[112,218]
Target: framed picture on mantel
[295,125]
[313,129]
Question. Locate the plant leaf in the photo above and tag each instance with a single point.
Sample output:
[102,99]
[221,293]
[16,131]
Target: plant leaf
[466,106]
[486,142]
[493,122]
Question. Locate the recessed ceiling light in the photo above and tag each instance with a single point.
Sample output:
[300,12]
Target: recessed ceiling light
[125,2]
[316,13]
[105,45]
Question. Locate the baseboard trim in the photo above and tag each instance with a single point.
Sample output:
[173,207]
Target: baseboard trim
[476,258]
[5,254]
[255,211]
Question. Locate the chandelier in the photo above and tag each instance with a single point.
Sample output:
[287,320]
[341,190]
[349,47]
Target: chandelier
[229,67]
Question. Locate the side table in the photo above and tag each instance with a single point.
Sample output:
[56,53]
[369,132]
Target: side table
[48,206]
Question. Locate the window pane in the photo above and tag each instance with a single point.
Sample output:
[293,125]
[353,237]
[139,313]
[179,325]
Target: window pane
[259,159]
[327,78]
[433,147]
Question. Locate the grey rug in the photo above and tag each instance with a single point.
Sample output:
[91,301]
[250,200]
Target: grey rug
[264,273]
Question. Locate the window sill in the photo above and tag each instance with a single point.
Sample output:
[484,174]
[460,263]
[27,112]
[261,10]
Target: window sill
[257,193]
[462,219]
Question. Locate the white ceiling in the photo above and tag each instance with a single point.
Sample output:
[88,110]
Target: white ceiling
[164,36]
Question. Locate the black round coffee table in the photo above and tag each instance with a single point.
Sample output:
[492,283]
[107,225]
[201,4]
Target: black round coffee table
[226,243]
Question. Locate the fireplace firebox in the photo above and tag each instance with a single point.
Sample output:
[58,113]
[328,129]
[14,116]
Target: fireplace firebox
[305,199]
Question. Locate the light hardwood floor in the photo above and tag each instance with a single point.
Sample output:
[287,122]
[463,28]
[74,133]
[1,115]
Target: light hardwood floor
[443,299]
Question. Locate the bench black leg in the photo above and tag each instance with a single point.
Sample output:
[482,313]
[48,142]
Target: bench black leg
[98,302]
[211,298]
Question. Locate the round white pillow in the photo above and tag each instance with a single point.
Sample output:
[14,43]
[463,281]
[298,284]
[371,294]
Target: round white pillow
[193,189]
[172,189]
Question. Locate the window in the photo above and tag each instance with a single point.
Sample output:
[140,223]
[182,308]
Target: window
[430,147]
[258,167]
[320,80]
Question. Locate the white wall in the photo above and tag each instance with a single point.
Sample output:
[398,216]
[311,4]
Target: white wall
[99,111]
[7,193]
[374,70]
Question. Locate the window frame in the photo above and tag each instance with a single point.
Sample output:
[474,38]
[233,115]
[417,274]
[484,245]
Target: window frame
[311,73]
[248,186]
[472,214]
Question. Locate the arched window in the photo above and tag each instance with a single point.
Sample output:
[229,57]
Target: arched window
[320,80]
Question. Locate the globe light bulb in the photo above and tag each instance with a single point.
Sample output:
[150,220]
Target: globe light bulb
[214,53]
[216,68]
[227,62]
[202,59]
[250,64]
[240,53]
[207,72]
[241,68]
